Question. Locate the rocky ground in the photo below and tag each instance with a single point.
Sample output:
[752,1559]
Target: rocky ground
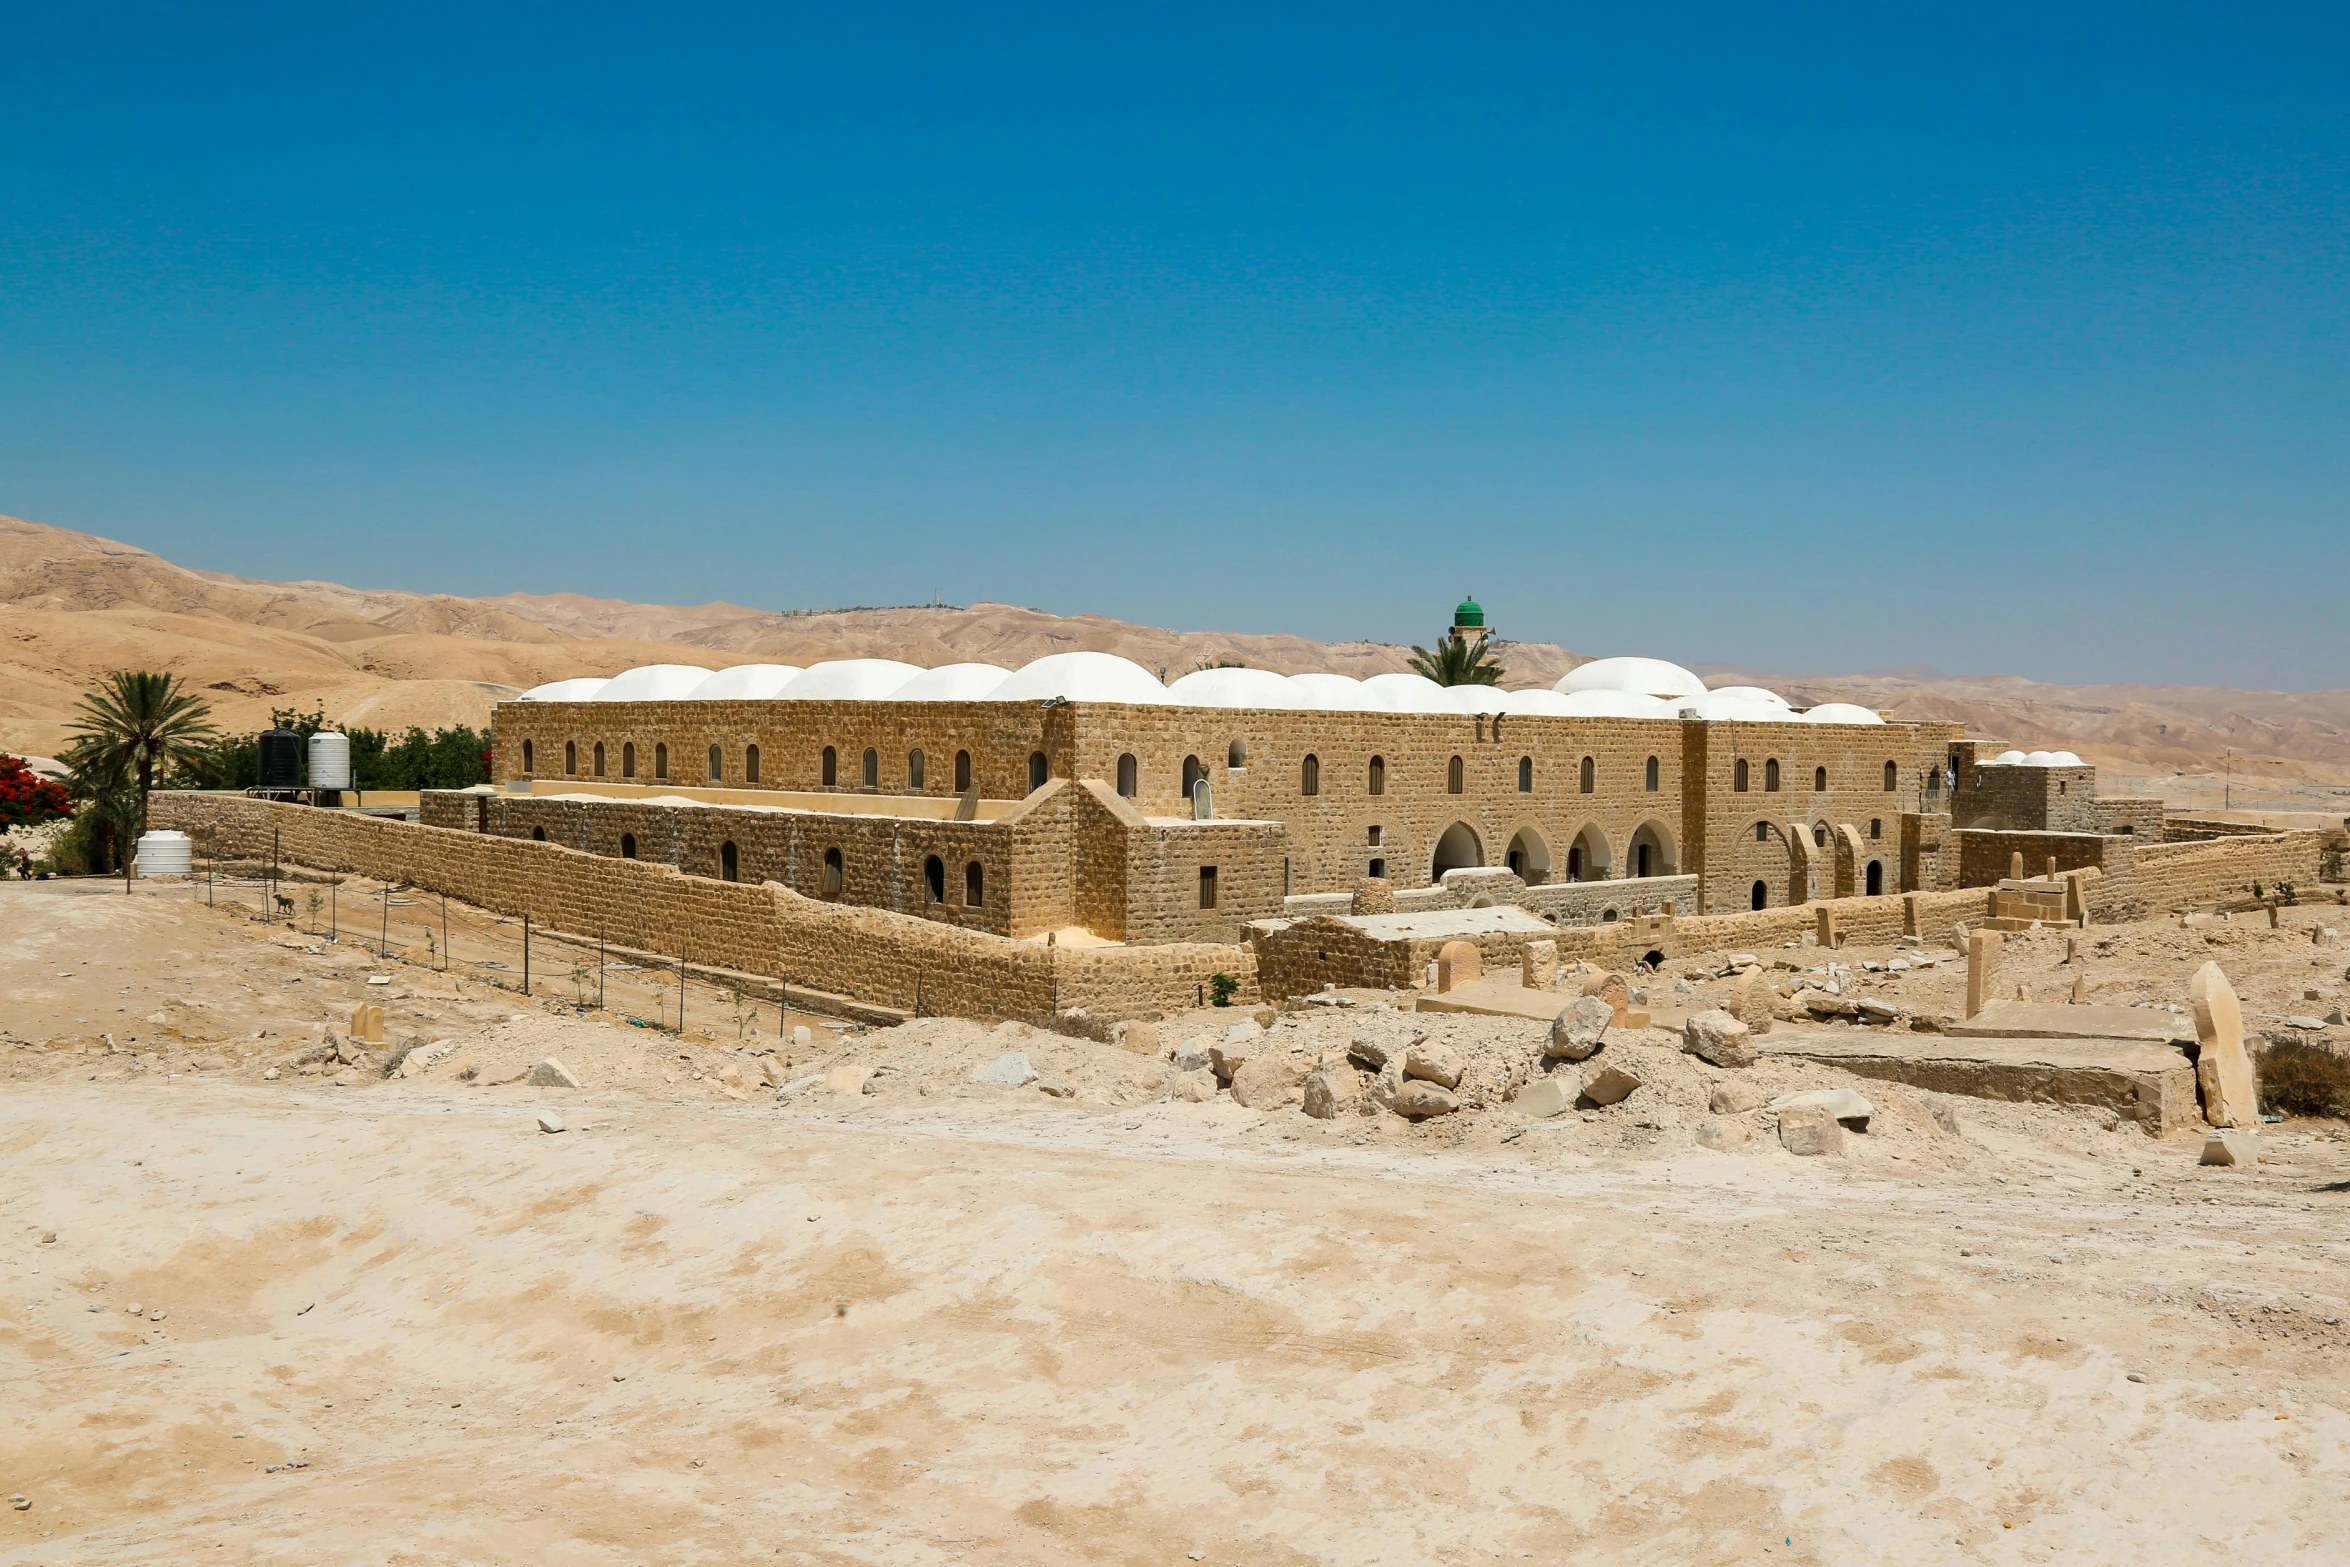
[788,1289]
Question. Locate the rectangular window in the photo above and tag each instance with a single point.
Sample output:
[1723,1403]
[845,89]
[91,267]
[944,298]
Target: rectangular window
[1207,886]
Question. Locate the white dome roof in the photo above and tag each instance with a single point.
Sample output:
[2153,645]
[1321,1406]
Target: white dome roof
[2066,759]
[1616,704]
[1840,713]
[746,683]
[1082,677]
[2040,759]
[1232,688]
[1407,693]
[850,680]
[583,689]
[1537,704]
[1330,694]
[1715,707]
[952,683]
[2006,759]
[1750,694]
[1645,676]
[652,683]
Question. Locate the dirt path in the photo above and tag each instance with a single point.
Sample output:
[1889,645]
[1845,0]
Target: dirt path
[994,1326]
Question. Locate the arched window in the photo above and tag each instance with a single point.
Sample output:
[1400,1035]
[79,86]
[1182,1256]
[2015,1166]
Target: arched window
[833,875]
[1762,832]
[1378,775]
[571,758]
[1819,780]
[1128,781]
[1589,776]
[831,767]
[1892,777]
[962,772]
[974,886]
[729,863]
[628,846]
[1819,835]
[1652,775]
[628,760]
[1309,775]
[934,877]
[539,834]
[870,769]
[1236,755]
[1525,775]
[1771,776]
[1039,770]
[717,764]
[529,757]
[1192,774]
[917,770]
[1760,897]
[660,761]
[1379,869]
[750,764]
[1876,827]
[1455,776]
[1738,776]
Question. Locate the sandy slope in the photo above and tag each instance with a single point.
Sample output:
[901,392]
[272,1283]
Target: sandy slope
[941,1322]
[73,606]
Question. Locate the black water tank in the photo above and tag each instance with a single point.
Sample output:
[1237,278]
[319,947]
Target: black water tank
[281,759]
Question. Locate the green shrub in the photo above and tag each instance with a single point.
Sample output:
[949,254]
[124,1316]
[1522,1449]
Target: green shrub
[1221,990]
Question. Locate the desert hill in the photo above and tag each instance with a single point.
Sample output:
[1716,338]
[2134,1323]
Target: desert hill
[73,606]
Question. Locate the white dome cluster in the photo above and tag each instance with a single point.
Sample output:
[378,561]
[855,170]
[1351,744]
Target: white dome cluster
[1605,688]
[2035,759]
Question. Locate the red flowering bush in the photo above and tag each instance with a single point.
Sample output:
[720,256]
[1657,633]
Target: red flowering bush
[26,798]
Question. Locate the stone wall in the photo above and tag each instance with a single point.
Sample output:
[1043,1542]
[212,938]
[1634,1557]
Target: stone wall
[2026,799]
[1984,855]
[2131,816]
[867,954]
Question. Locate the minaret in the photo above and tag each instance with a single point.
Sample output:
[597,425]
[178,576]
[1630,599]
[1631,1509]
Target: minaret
[1468,621]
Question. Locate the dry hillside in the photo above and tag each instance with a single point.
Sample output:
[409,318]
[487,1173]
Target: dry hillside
[73,606]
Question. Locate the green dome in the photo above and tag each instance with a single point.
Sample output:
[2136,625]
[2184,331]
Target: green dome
[1470,613]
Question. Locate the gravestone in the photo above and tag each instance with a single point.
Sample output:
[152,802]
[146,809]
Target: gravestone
[2223,1068]
[1457,963]
[1982,967]
[1203,802]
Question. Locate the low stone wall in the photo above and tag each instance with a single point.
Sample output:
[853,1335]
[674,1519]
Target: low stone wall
[1985,855]
[866,954]
[2164,878]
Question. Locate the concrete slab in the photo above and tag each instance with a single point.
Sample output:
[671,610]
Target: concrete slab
[2150,1083]
[2057,1020]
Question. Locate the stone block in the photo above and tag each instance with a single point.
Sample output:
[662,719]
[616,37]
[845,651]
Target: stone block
[1269,1082]
[1432,1063]
[1610,1085]
[551,1073]
[1140,1037]
[1734,1098]
[1329,1093]
[1417,1101]
[1579,1032]
[1722,1136]
[1538,964]
[1982,967]
[2232,1145]
[1009,1070]
[1717,1037]
[2223,1068]
[1458,963]
[1543,1098]
[1843,1104]
[1811,1132]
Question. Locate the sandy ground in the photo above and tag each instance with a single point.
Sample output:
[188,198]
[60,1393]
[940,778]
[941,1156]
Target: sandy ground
[390,1321]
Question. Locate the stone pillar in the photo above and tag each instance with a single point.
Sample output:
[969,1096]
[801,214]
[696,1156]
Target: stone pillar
[1982,967]
[2015,866]
[1538,964]
[1829,936]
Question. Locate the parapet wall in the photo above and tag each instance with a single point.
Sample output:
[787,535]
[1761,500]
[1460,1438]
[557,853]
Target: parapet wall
[870,955]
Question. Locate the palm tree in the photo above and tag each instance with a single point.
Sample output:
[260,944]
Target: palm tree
[131,728]
[1458,662]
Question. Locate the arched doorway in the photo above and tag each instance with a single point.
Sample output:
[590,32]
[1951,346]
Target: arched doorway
[1529,857]
[1457,849]
[1590,857]
[1651,852]
[1876,878]
[1760,896]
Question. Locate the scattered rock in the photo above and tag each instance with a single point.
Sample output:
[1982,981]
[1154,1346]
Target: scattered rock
[2232,1145]
[1192,1087]
[23,1504]
[1009,1070]
[1432,1063]
[1141,1038]
[1050,1087]
[1841,1104]
[1269,1082]
[551,1073]
[1418,1099]
[771,1071]
[1719,1038]
[1870,1010]
[2311,1024]
[1229,1055]
[549,1121]
[269,1074]
[1192,1054]
[1721,1136]
[1610,1085]
[1371,1049]
[1543,1098]
[850,1077]
[2135,1376]
[1385,1086]
[1810,1131]
[1580,1032]
[1945,1116]
[423,1058]
[802,1036]
[1734,1098]
[1329,1093]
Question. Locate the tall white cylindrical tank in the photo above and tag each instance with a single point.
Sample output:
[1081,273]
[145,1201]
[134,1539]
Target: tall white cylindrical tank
[330,760]
[163,853]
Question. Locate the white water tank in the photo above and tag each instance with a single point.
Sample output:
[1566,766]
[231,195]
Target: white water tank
[164,853]
[330,760]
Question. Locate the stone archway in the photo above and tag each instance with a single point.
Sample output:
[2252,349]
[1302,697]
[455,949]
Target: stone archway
[1651,851]
[1457,848]
[1591,857]
[1529,857]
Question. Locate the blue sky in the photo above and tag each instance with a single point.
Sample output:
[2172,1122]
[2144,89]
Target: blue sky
[1814,339]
